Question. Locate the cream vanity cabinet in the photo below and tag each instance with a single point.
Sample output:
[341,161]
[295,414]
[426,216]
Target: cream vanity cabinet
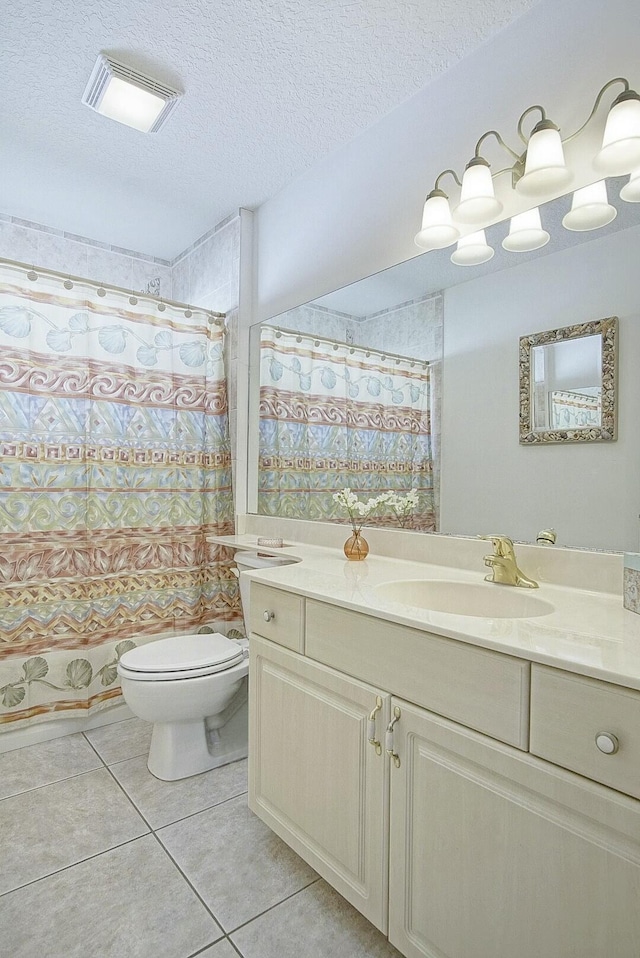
[461,845]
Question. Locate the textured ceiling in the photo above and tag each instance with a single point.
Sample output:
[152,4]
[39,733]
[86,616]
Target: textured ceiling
[270,86]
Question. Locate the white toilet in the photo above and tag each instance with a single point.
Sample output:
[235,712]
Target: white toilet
[194,690]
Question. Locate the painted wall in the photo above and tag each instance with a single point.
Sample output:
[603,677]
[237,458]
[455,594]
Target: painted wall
[357,211]
[490,483]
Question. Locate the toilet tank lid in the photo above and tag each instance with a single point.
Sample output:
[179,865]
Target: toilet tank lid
[182,653]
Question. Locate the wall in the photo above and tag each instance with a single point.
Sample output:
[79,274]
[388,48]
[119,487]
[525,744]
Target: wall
[357,211]
[38,245]
[490,483]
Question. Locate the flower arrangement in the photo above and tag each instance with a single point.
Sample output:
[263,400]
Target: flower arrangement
[402,505]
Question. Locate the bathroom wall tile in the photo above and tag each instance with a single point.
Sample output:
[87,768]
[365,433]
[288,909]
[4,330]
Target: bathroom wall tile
[56,252]
[54,826]
[142,272]
[122,740]
[18,243]
[103,266]
[319,918]
[180,281]
[246,867]
[131,902]
[164,802]
[42,764]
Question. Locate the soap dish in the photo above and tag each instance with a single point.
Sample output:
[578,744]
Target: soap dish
[267,543]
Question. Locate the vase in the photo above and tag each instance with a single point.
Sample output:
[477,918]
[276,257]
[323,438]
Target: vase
[356,547]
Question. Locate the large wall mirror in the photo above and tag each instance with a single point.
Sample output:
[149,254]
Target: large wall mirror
[410,380]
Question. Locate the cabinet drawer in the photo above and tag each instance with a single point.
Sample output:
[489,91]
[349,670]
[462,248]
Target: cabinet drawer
[286,611]
[481,689]
[568,711]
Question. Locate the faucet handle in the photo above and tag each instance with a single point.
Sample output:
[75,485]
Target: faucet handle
[503,545]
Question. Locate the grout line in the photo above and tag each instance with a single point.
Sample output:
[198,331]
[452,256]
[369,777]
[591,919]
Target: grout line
[129,799]
[190,884]
[271,907]
[57,781]
[207,808]
[92,746]
[58,871]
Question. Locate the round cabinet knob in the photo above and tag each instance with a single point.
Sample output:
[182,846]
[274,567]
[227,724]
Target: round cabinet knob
[268,616]
[607,742]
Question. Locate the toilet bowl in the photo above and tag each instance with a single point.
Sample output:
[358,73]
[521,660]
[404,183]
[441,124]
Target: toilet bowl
[194,690]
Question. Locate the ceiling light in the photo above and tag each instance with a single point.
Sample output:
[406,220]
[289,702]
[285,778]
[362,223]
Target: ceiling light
[545,169]
[631,191]
[125,95]
[590,209]
[472,250]
[526,233]
[478,203]
[437,229]
[620,151]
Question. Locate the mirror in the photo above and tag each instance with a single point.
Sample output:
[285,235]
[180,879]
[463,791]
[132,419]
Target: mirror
[568,384]
[466,323]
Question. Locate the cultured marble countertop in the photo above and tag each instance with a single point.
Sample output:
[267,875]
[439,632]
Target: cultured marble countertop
[589,633]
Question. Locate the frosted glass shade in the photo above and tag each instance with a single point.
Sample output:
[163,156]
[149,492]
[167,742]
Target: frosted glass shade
[472,250]
[630,192]
[437,229]
[525,233]
[478,203]
[545,170]
[590,209]
[620,151]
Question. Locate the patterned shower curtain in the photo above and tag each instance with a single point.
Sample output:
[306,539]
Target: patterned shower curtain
[114,467]
[333,416]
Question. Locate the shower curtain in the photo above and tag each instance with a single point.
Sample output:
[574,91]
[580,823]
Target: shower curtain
[332,416]
[114,468]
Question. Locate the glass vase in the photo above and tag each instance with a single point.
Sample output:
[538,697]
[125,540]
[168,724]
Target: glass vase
[356,547]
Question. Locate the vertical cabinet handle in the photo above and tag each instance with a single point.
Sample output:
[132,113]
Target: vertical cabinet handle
[388,739]
[371,727]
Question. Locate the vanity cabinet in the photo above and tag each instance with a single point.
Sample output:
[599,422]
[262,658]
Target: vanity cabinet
[461,845]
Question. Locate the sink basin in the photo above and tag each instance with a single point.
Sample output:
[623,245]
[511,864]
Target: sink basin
[484,600]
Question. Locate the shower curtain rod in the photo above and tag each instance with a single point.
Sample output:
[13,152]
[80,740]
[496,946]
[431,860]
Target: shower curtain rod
[425,363]
[211,314]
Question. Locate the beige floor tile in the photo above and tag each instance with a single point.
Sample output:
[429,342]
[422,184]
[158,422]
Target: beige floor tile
[223,949]
[316,923]
[235,862]
[164,802]
[45,763]
[122,740]
[57,825]
[131,902]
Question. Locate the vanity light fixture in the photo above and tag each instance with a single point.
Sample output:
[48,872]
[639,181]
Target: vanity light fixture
[541,172]
[631,191]
[472,250]
[590,209]
[526,233]
[128,96]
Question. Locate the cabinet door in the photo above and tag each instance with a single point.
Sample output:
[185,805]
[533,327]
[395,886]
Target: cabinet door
[314,778]
[497,854]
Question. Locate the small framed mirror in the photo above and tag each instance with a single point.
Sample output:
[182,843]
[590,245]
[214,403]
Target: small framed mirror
[568,384]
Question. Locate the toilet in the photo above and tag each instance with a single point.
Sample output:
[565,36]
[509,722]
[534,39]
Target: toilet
[194,690]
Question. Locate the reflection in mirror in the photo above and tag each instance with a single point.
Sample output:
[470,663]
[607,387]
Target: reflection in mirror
[568,384]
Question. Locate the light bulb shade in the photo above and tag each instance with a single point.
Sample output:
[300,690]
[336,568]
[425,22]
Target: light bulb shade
[526,233]
[437,229]
[590,209]
[620,151]
[478,203]
[630,192]
[545,170]
[472,250]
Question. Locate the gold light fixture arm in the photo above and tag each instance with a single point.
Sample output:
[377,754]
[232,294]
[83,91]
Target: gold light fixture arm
[444,173]
[500,141]
[543,116]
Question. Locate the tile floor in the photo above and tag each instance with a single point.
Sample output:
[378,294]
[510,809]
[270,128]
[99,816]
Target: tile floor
[100,857]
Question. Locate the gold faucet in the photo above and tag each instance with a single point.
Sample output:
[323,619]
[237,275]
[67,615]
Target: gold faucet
[504,566]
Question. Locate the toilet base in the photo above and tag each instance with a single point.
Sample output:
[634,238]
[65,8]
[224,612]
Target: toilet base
[181,749]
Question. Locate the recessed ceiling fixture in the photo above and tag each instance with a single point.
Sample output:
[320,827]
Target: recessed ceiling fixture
[130,97]
[539,172]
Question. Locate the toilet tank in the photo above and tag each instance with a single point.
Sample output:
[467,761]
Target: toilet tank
[247,561]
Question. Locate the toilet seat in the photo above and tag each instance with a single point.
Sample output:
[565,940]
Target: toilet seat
[181,657]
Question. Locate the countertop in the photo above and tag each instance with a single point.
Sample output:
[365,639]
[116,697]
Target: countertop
[589,633]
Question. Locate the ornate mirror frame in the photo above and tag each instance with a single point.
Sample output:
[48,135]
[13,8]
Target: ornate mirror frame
[606,432]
